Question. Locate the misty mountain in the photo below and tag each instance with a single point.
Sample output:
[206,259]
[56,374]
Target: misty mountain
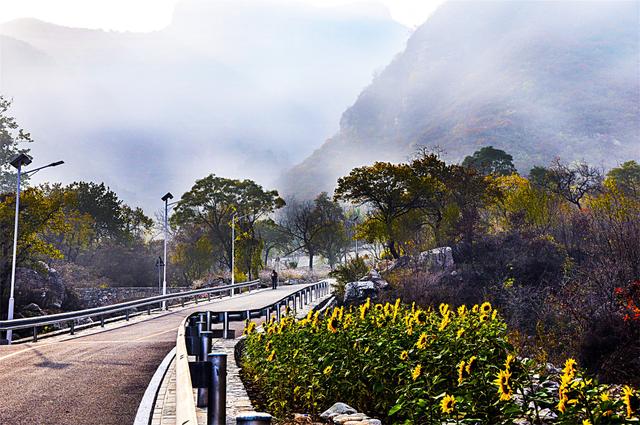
[238,88]
[537,79]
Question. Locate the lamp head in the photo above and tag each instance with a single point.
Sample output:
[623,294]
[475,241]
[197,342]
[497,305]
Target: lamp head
[21,159]
[55,164]
[167,197]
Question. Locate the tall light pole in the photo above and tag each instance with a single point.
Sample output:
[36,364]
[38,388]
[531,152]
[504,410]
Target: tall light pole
[165,198]
[18,162]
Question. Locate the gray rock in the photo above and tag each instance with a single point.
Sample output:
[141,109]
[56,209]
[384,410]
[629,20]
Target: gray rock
[31,310]
[337,409]
[437,259]
[355,292]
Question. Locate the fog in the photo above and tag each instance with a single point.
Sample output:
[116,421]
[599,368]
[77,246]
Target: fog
[538,79]
[241,89]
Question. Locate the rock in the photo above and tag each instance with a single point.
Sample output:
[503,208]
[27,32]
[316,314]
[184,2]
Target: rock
[437,259]
[301,418]
[374,422]
[337,409]
[355,292]
[349,419]
[374,276]
[400,263]
[32,310]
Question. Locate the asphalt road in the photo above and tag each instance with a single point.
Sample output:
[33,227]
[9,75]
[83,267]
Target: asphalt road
[97,378]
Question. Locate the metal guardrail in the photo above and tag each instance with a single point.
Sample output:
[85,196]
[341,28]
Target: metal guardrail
[194,339]
[38,322]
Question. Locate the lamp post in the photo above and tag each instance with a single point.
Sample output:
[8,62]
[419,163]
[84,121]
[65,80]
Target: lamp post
[17,162]
[159,266]
[165,198]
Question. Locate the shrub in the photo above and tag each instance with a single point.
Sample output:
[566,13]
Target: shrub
[351,271]
[408,365]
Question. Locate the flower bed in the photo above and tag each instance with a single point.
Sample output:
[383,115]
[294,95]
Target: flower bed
[408,365]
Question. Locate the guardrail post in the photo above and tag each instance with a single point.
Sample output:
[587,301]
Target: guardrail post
[126,314]
[217,397]
[102,321]
[149,310]
[72,328]
[268,314]
[278,312]
[35,334]
[203,356]
[300,295]
[196,299]
[295,304]
[225,328]
[209,296]
[182,302]
[253,418]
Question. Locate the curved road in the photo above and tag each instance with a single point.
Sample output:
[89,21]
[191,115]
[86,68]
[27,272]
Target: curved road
[98,378]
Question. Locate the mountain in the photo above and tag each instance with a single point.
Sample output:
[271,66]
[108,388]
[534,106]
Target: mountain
[537,79]
[240,88]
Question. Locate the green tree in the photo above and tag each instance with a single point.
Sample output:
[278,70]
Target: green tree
[39,213]
[212,202]
[489,160]
[11,137]
[390,190]
[627,178]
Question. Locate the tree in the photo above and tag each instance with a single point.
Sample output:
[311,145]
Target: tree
[570,181]
[212,202]
[273,236]
[39,213]
[333,237]
[489,160]
[390,190]
[627,178]
[11,137]
[304,224]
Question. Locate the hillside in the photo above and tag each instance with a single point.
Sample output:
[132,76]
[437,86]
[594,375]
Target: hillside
[537,79]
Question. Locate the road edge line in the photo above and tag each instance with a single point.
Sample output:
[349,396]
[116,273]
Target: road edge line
[145,408]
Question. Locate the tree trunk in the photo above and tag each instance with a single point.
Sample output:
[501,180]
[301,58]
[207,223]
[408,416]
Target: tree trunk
[392,249]
[311,260]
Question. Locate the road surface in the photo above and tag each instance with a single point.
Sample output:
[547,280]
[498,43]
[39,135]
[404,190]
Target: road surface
[98,378]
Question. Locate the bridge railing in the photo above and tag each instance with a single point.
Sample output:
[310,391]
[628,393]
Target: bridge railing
[36,323]
[194,339]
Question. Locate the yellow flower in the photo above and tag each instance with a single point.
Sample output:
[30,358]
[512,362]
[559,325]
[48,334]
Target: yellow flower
[420,317]
[415,374]
[586,422]
[447,404]
[271,356]
[604,396]
[327,370]
[485,308]
[494,314]
[570,368]
[267,347]
[462,310]
[445,321]
[471,364]
[460,333]
[461,370]
[396,307]
[363,311]
[504,388]
[444,309]
[630,399]
[332,325]
[422,341]
[475,308]
[404,355]
[507,363]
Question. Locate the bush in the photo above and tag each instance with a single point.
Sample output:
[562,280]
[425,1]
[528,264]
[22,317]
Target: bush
[351,271]
[414,366]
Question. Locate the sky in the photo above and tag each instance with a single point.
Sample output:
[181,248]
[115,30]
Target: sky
[150,15]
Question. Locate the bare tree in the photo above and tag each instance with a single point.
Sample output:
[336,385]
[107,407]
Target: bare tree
[572,181]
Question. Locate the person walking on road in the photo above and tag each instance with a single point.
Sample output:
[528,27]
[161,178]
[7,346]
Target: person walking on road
[274,279]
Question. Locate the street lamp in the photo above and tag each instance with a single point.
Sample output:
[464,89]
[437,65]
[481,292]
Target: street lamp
[165,198]
[234,217]
[18,162]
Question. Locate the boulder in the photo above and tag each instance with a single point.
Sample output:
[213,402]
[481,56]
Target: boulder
[374,276]
[437,259]
[31,310]
[45,287]
[359,291]
[337,409]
